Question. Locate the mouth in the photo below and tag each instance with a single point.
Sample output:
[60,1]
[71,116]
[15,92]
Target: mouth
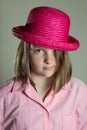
[49,68]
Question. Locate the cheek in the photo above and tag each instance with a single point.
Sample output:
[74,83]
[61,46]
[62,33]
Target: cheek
[35,62]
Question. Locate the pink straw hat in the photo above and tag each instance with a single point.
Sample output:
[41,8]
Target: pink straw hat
[47,27]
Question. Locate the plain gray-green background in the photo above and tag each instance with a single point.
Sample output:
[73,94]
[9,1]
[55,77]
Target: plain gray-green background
[14,12]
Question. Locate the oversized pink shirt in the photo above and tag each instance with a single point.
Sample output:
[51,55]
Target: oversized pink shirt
[22,109]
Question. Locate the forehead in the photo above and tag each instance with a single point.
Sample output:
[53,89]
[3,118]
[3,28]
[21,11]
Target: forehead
[35,46]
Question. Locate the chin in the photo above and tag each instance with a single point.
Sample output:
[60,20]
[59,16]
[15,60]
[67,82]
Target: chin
[49,75]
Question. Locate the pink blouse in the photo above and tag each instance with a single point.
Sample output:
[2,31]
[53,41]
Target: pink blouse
[22,109]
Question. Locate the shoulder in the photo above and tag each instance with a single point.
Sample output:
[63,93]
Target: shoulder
[79,88]
[77,83]
[76,88]
[6,86]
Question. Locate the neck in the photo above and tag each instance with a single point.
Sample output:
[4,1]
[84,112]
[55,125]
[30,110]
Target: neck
[42,84]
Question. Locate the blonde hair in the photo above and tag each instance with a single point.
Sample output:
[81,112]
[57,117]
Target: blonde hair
[22,66]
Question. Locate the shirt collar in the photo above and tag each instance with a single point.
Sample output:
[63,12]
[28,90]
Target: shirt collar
[29,89]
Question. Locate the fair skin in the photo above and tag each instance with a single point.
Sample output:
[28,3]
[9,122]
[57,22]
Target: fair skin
[43,67]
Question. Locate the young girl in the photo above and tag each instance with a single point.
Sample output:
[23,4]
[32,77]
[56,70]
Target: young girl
[43,95]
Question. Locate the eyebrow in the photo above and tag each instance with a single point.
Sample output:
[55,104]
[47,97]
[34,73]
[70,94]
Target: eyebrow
[35,46]
[32,46]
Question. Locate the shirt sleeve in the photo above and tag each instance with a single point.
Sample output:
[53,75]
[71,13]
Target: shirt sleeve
[1,115]
[1,122]
[83,112]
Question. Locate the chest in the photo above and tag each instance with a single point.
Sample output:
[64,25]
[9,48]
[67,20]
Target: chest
[26,113]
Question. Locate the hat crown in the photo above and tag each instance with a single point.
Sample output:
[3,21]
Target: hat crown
[47,27]
[50,23]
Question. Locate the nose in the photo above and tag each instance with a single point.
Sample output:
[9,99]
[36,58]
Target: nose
[49,57]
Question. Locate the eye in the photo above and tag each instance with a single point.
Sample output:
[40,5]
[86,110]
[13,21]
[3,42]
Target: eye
[39,51]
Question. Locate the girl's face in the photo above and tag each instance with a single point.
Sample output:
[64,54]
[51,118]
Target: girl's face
[42,61]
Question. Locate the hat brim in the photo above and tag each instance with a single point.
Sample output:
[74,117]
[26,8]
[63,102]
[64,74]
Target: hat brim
[21,33]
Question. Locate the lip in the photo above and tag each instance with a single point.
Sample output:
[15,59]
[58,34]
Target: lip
[48,68]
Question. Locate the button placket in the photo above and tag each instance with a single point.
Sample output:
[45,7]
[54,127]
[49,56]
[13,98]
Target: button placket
[48,124]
